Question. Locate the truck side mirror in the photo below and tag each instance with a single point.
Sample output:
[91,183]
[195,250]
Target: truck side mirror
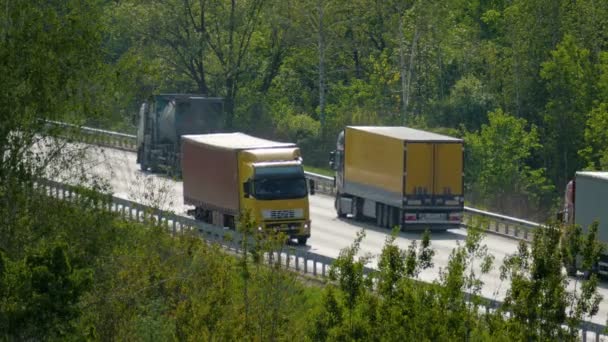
[311,185]
[332,159]
[247,189]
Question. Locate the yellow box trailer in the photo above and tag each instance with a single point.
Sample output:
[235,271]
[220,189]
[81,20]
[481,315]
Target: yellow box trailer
[399,176]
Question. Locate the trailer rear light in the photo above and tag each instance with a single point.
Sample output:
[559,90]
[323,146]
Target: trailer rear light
[410,217]
[455,217]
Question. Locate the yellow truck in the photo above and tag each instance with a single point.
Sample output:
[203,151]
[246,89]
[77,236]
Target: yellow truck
[227,174]
[399,176]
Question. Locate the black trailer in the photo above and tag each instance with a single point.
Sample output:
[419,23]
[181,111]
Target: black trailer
[164,118]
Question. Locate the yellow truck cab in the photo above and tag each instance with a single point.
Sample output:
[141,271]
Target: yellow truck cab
[231,173]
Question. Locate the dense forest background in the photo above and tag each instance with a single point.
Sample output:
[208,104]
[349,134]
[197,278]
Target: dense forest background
[523,81]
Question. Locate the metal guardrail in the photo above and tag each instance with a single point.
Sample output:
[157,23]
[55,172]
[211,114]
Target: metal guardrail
[96,136]
[289,258]
[491,222]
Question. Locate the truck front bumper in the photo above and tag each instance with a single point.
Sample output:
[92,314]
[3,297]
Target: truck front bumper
[294,229]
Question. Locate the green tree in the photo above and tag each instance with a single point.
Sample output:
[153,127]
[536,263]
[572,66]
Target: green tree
[43,295]
[538,297]
[595,151]
[467,105]
[497,173]
[569,79]
[206,42]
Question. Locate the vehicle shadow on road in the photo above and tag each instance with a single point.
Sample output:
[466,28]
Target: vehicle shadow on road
[294,244]
[449,235]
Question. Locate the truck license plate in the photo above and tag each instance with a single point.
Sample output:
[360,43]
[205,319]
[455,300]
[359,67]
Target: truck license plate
[434,216]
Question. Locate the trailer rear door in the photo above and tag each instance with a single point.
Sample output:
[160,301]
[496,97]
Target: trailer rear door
[448,169]
[419,169]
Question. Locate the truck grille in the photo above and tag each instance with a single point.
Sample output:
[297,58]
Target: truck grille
[285,214]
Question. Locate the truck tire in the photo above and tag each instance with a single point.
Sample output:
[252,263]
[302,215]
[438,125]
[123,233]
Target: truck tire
[392,217]
[141,159]
[379,208]
[302,241]
[338,208]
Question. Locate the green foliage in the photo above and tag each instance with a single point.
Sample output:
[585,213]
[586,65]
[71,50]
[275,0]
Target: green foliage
[538,298]
[467,105]
[596,139]
[398,307]
[304,131]
[324,65]
[567,75]
[41,294]
[496,169]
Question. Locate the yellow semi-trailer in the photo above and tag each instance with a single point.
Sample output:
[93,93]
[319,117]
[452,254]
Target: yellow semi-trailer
[399,176]
[225,175]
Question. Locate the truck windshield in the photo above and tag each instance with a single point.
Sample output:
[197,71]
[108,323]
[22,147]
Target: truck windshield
[279,182]
[274,189]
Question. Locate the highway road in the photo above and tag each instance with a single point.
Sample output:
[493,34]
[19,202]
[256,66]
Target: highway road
[119,170]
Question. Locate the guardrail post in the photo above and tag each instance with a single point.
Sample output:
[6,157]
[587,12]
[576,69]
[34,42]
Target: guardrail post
[584,333]
[297,262]
[306,263]
[314,267]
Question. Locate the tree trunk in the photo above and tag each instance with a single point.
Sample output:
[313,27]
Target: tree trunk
[321,68]
[406,72]
[402,71]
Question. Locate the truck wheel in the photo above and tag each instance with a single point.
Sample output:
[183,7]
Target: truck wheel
[392,222]
[302,241]
[338,208]
[141,160]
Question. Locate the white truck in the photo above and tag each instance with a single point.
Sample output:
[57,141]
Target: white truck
[586,201]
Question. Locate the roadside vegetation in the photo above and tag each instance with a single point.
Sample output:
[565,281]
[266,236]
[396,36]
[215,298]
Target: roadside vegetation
[71,271]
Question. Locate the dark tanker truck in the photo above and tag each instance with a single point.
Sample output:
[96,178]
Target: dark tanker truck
[164,118]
